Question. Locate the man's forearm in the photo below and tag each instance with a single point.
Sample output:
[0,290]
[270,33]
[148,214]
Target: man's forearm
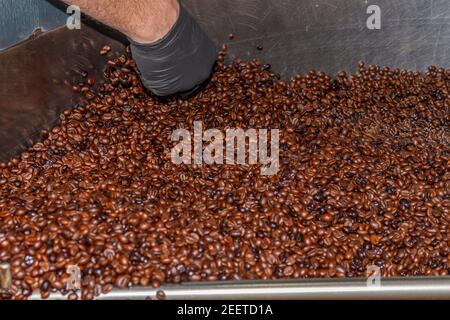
[143,21]
[180,62]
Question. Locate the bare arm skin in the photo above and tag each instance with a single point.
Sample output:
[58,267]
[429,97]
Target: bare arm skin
[172,52]
[144,21]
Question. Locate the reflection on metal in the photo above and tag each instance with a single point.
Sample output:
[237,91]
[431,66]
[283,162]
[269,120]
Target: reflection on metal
[330,35]
[353,288]
[5,277]
[36,80]
[19,19]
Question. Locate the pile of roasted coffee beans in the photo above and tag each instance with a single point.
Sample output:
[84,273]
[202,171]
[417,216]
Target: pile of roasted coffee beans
[363,181]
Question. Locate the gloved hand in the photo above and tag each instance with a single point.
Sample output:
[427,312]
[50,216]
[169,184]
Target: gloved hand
[179,62]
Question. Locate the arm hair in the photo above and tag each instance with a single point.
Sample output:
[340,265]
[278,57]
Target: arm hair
[144,21]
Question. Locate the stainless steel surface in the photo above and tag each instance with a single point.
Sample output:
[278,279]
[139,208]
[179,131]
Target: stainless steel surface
[330,35]
[36,82]
[390,288]
[19,18]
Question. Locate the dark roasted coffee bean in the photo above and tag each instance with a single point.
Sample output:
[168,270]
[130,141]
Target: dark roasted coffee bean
[29,260]
[362,180]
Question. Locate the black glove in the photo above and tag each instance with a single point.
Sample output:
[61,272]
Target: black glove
[179,62]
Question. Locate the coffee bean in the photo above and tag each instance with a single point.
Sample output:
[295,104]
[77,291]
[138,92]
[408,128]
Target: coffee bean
[45,286]
[362,180]
[318,197]
[29,260]
[122,282]
[160,295]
